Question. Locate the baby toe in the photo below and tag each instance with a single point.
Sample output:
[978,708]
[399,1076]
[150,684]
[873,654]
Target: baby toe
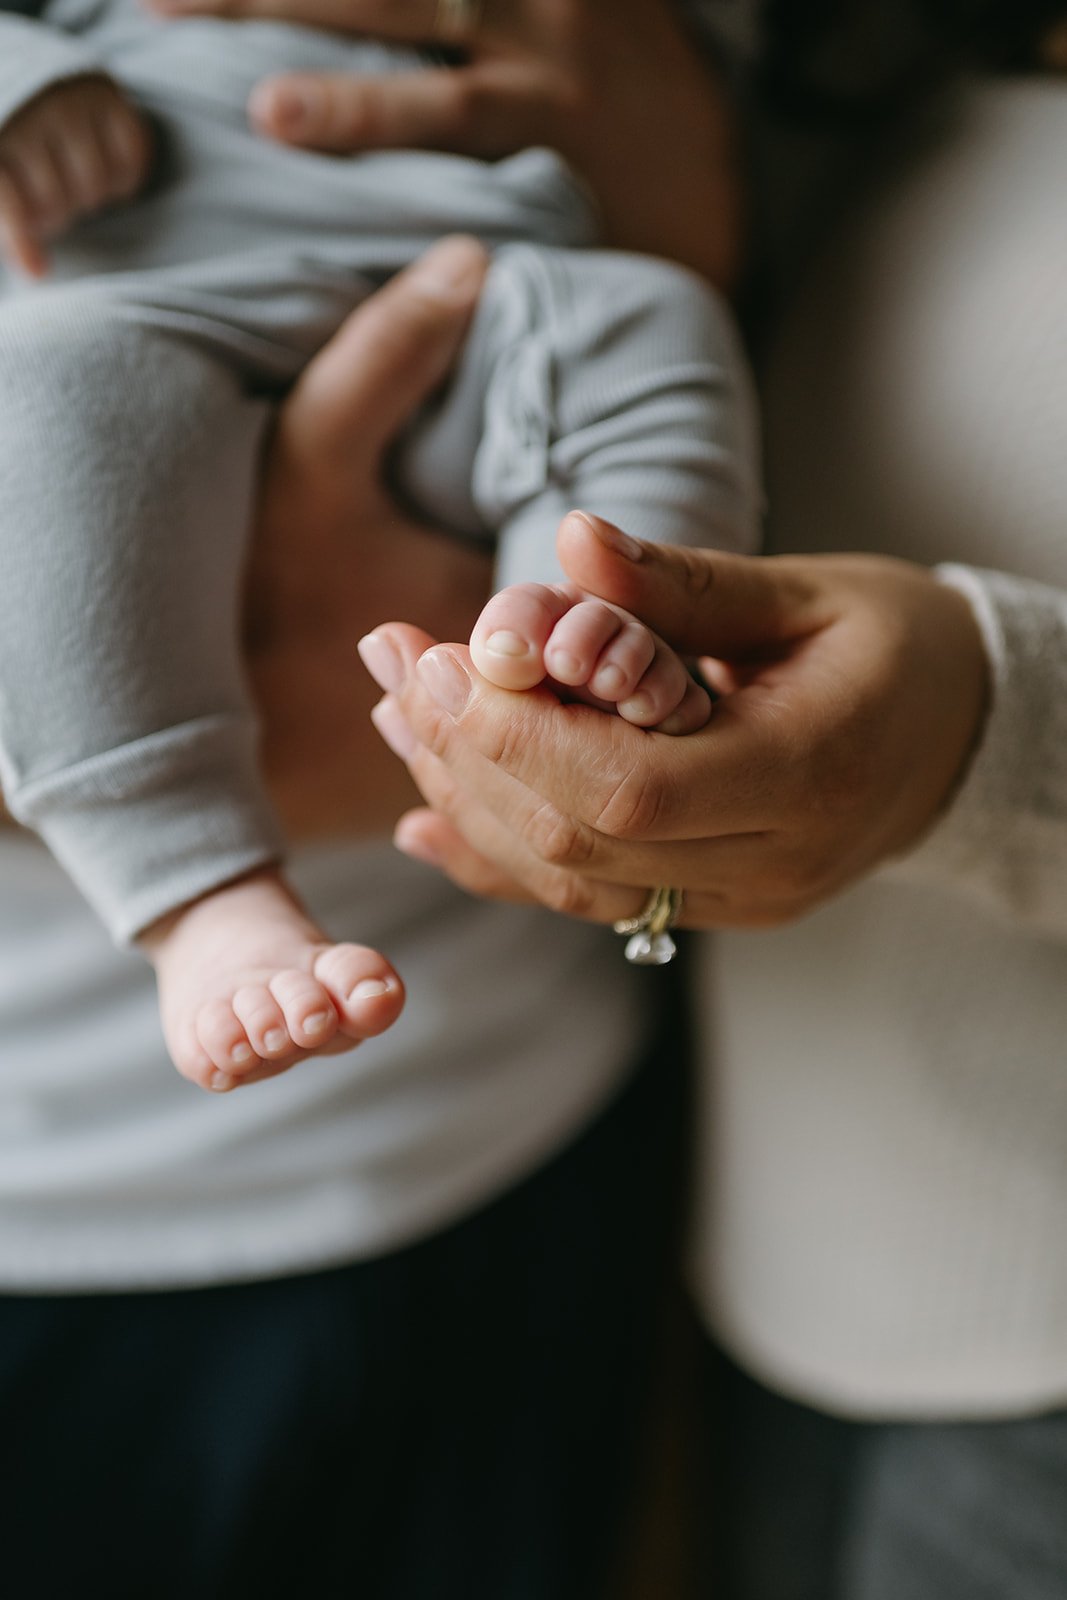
[624,662]
[660,691]
[366,991]
[578,639]
[263,1021]
[509,638]
[309,1013]
[224,1041]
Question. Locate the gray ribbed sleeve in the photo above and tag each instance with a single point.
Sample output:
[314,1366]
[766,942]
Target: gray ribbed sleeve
[34,57]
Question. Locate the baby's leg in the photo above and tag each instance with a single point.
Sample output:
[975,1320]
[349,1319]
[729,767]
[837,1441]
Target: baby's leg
[617,384]
[127,465]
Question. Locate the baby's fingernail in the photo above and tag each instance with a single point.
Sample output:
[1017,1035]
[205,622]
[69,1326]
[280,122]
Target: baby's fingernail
[288,105]
[505,643]
[370,988]
[444,680]
[318,1022]
[453,268]
[276,1039]
[612,537]
[221,1082]
[382,660]
[389,721]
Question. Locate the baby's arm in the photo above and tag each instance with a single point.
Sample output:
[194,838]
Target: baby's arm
[598,652]
[77,147]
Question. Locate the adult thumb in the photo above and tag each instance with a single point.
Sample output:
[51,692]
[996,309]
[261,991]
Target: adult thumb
[703,602]
[390,355]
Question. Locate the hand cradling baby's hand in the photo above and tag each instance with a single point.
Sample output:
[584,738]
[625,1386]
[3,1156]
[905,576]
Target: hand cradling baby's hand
[72,151]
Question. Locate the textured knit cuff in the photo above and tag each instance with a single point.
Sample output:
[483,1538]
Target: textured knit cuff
[34,57]
[1003,840]
[156,824]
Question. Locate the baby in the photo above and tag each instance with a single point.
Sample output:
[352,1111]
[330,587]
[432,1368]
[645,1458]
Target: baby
[169,275]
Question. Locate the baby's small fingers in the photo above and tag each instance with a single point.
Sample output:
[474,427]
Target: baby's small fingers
[126,148]
[19,240]
[36,173]
[509,638]
[661,691]
[578,640]
[85,166]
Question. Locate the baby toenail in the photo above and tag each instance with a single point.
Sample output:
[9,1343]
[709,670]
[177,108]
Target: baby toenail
[369,988]
[317,1022]
[563,664]
[638,706]
[608,681]
[221,1082]
[276,1039]
[240,1054]
[505,643]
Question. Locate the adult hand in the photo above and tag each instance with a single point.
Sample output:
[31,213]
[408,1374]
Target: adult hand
[853,691]
[332,553]
[616,86]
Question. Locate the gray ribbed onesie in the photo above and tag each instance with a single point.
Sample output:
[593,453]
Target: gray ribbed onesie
[136,383]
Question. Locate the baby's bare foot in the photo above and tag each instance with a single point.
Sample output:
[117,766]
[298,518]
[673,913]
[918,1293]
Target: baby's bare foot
[248,985]
[603,654]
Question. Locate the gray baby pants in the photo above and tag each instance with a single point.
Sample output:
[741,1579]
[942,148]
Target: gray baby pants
[135,388]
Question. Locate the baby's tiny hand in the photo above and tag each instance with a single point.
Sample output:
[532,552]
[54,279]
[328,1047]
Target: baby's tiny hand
[599,652]
[72,151]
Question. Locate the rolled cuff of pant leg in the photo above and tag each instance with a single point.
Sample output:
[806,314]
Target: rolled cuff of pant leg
[150,826]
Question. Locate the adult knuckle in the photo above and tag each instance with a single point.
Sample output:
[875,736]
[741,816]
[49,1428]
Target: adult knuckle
[568,895]
[557,839]
[632,805]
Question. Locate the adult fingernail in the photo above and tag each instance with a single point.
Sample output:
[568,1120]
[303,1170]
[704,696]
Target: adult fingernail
[283,104]
[452,269]
[412,844]
[383,661]
[613,538]
[444,680]
[505,643]
[389,721]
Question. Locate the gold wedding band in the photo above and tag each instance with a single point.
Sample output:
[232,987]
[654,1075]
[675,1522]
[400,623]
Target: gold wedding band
[648,938]
[456,20]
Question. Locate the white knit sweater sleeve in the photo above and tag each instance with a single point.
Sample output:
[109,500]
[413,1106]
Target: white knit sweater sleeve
[34,57]
[1003,841]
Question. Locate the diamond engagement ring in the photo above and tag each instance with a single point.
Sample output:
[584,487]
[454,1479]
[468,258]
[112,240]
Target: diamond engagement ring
[648,939]
[457,19]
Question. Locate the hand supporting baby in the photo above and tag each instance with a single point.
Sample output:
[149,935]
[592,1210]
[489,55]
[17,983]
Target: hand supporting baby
[72,151]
